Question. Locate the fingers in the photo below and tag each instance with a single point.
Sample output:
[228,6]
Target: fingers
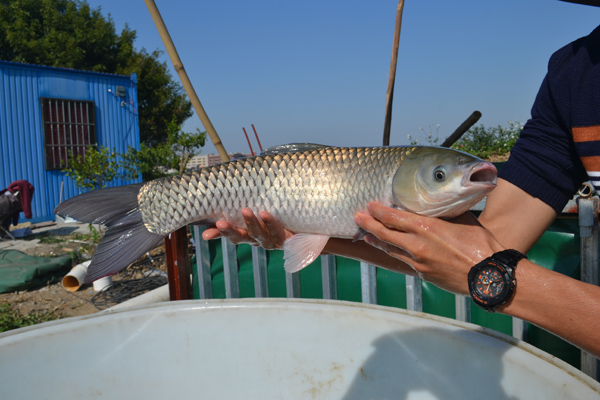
[276,231]
[389,248]
[264,230]
[393,242]
[258,230]
[397,219]
[225,229]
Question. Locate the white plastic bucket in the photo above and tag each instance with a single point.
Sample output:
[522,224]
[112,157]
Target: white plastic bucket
[277,349]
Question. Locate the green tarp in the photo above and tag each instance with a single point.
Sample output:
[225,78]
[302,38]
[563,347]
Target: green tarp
[18,271]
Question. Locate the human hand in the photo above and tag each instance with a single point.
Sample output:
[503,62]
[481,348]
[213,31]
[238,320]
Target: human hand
[264,230]
[441,252]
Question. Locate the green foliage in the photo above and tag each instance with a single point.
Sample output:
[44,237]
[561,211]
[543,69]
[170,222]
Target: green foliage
[479,141]
[160,98]
[485,142]
[68,33]
[98,168]
[185,144]
[12,319]
[156,161]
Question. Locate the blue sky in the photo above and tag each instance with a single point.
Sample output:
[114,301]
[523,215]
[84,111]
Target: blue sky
[317,71]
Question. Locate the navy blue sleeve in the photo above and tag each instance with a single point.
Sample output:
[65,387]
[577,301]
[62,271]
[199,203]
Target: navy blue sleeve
[544,162]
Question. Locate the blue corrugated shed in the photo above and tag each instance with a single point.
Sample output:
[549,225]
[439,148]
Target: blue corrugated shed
[23,149]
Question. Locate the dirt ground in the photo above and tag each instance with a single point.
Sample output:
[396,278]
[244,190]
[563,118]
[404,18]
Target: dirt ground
[54,297]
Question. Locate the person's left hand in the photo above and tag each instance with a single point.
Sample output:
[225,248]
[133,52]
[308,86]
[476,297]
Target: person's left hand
[441,252]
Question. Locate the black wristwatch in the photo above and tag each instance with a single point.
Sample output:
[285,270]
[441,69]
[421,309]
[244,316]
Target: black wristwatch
[492,282]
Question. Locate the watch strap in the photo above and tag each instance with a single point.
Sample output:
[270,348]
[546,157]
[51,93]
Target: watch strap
[509,257]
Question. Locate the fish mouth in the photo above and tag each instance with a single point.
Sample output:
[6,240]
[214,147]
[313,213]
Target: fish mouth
[481,173]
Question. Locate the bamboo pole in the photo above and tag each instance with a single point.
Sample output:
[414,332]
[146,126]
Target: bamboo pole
[392,79]
[185,80]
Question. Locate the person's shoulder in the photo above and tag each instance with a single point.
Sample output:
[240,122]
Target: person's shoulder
[585,50]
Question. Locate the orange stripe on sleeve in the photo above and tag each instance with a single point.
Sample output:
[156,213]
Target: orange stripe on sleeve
[586,133]
[591,163]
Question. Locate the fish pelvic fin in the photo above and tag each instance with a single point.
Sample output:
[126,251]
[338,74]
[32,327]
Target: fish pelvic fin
[302,249]
[126,238]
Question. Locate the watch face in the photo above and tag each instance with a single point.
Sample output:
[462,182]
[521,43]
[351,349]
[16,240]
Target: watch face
[489,284]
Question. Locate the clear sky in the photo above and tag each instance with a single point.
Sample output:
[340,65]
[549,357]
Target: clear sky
[317,71]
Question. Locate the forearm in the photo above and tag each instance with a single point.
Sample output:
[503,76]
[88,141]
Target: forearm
[566,307]
[515,218]
[361,251]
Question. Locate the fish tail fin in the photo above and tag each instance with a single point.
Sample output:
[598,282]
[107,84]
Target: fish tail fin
[126,238]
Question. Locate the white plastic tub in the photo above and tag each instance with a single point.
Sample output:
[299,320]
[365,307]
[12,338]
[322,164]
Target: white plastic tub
[277,349]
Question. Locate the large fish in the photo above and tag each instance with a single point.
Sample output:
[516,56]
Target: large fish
[314,193]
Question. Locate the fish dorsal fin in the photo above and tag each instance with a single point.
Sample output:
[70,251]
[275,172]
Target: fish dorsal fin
[292,148]
[302,249]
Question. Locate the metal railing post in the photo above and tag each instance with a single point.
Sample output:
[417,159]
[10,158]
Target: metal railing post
[414,294]
[329,276]
[588,225]
[230,269]
[259,266]
[368,283]
[202,263]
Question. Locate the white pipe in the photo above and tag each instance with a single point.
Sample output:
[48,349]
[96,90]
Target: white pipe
[74,279]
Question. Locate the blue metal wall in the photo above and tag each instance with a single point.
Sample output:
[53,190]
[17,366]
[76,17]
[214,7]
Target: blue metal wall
[21,131]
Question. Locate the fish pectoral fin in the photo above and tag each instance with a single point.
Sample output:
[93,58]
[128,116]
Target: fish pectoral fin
[302,249]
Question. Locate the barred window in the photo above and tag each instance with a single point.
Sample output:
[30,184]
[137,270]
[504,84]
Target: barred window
[69,127]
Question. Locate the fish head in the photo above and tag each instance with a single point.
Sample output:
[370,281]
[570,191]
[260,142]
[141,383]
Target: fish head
[441,182]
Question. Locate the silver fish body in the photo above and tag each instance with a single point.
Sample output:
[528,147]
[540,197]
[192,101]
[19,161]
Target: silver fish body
[309,192]
[313,193]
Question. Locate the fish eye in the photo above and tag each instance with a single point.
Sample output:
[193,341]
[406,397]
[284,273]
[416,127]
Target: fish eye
[439,174]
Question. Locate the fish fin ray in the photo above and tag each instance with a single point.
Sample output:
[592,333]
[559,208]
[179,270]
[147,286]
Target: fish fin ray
[126,238]
[122,244]
[302,249]
[103,206]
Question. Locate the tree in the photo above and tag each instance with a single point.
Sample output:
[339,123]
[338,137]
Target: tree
[99,167]
[68,33]
[155,161]
[185,144]
[493,143]
[160,99]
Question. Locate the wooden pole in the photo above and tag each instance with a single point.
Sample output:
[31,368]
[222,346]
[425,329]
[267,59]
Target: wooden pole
[257,139]
[185,80]
[249,145]
[178,267]
[465,126]
[176,245]
[392,79]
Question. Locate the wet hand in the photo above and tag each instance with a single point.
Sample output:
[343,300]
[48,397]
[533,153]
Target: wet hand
[264,230]
[441,252]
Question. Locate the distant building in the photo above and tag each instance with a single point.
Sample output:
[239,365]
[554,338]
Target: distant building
[206,160]
[47,112]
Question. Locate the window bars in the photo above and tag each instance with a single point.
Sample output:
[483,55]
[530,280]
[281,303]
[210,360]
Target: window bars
[69,128]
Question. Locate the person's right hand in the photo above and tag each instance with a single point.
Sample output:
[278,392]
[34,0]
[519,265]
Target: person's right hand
[265,230]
